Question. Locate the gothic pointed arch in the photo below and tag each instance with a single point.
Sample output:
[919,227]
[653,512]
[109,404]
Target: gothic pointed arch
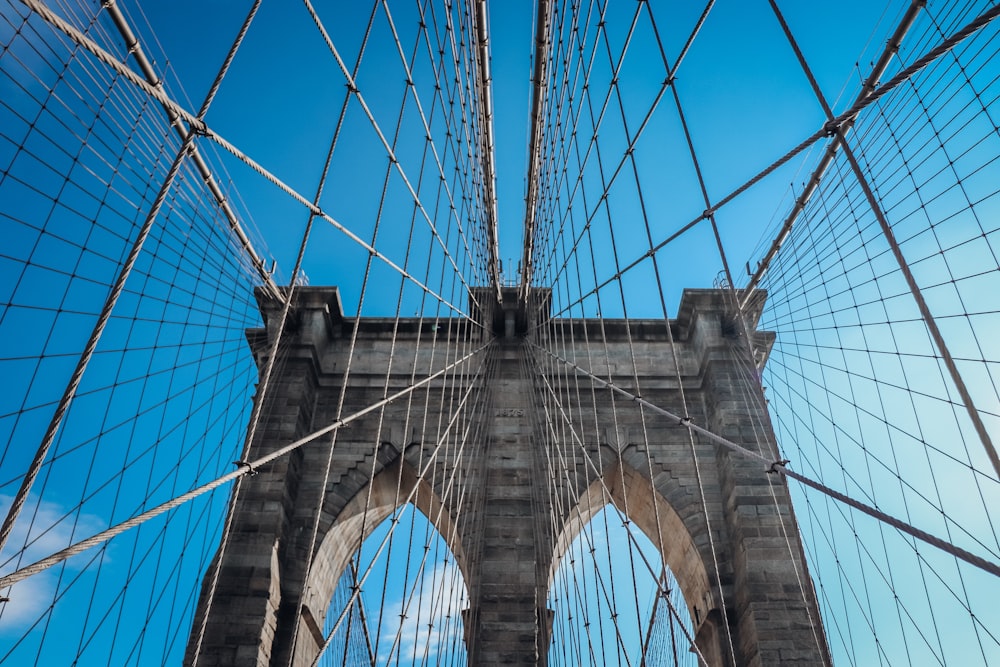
[347,527]
[673,536]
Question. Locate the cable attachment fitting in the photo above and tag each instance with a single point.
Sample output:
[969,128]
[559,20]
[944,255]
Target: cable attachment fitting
[684,421]
[243,464]
[774,466]
[198,128]
[831,127]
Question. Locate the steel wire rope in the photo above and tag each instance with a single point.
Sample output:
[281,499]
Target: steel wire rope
[750,400]
[942,145]
[99,119]
[753,396]
[84,358]
[395,518]
[121,476]
[99,327]
[443,86]
[667,83]
[606,494]
[32,254]
[879,214]
[181,154]
[870,494]
[435,325]
[601,593]
[604,199]
[840,430]
[201,129]
[406,428]
[590,510]
[895,471]
[557,508]
[939,502]
[105,535]
[629,155]
[572,513]
[943,47]
[411,86]
[233,426]
[782,470]
[286,307]
[861,546]
[784,276]
[64,451]
[352,87]
[136,459]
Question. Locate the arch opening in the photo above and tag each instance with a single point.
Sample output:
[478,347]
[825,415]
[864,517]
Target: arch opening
[633,515]
[409,611]
[614,600]
[388,582]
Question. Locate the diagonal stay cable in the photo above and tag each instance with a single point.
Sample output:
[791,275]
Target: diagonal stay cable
[136,51]
[198,127]
[929,321]
[600,478]
[421,475]
[627,153]
[112,299]
[352,86]
[272,355]
[249,468]
[890,50]
[426,127]
[904,75]
[777,467]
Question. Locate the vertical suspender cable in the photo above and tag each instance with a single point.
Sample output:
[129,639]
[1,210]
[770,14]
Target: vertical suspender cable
[112,299]
[891,48]
[904,267]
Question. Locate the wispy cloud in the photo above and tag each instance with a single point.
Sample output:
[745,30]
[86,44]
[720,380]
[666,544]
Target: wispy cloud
[427,617]
[43,528]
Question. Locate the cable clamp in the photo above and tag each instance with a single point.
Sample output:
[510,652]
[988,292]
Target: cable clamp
[684,421]
[198,128]
[831,127]
[774,466]
[243,464]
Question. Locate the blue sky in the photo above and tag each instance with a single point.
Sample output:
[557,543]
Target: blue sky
[861,405]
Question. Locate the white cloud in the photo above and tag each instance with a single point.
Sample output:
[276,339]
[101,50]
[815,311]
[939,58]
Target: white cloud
[433,616]
[42,529]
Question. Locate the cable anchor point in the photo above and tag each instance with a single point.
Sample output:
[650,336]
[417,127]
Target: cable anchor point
[245,464]
[774,466]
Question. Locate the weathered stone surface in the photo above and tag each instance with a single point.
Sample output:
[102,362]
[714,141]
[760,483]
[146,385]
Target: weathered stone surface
[275,583]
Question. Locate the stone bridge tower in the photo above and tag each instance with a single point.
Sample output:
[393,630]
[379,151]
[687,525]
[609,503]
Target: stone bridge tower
[501,531]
